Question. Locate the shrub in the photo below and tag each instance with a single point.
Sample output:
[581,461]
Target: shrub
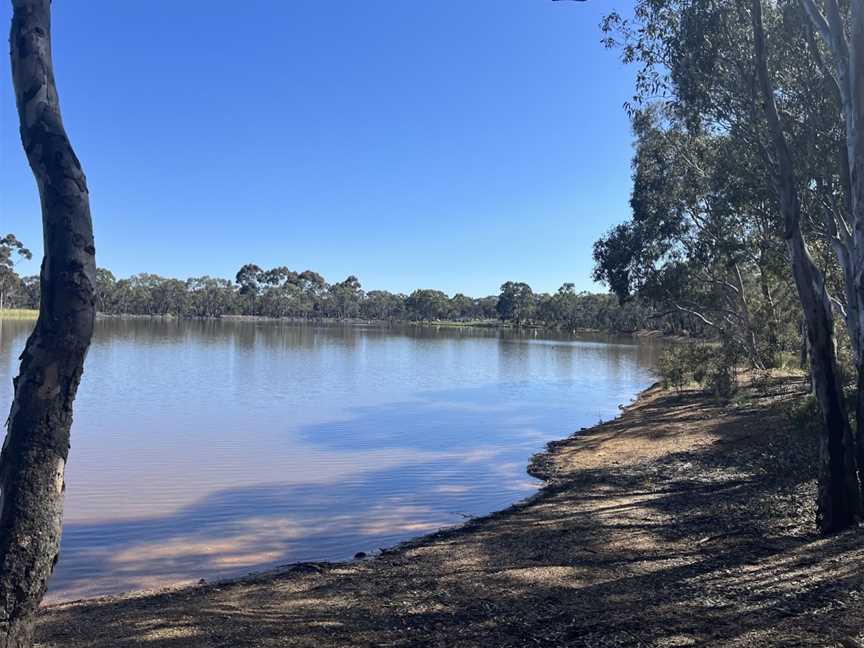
[672,367]
[699,358]
[806,416]
[711,366]
[720,378]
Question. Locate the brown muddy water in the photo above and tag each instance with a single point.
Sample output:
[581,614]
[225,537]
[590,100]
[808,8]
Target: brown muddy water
[212,449]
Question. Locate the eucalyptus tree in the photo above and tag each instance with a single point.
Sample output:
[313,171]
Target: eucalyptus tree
[10,247]
[425,304]
[488,306]
[314,287]
[462,307]
[169,297]
[383,305]
[33,459]
[279,276]
[29,292]
[106,287]
[756,73]
[570,310]
[345,298]
[841,34]
[248,278]
[840,499]
[210,296]
[699,241]
[516,302]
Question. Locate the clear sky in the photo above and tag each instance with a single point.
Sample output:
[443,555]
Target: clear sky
[451,144]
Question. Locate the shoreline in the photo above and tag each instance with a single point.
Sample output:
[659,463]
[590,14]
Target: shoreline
[540,466]
[495,325]
[638,336]
[682,522]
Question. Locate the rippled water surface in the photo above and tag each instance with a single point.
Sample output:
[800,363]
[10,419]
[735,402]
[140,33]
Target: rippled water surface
[211,449]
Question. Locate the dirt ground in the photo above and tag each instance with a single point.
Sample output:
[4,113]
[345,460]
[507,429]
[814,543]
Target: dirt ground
[685,522]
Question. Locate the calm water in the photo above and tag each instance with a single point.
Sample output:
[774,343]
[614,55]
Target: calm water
[211,449]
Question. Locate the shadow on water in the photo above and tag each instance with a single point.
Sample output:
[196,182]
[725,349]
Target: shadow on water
[704,546]
[210,449]
[234,531]
[510,415]
[466,456]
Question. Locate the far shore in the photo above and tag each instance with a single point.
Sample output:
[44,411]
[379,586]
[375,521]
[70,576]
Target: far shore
[686,521]
[18,313]
[27,314]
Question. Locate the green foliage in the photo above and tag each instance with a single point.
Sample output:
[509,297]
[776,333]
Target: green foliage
[427,305]
[18,313]
[700,241]
[516,302]
[699,358]
[674,369]
[720,375]
[281,292]
[805,415]
[11,287]
[713,367]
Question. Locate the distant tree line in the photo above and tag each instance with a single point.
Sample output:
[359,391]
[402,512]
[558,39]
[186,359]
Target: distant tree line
[283,293]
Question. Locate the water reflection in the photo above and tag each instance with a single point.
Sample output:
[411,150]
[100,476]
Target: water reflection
[207,449]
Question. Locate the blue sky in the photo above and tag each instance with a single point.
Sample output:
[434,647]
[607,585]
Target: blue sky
[447,144]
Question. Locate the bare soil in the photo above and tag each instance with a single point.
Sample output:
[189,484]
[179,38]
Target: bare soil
[685,522]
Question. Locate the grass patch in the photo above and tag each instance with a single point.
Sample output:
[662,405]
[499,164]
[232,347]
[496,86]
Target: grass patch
[469,323]
[18,313]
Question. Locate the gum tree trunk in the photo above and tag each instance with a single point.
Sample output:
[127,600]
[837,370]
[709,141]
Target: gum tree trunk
[845,40]
[772,350]
[839,497]
[839,501]
[34,453]
[850,79]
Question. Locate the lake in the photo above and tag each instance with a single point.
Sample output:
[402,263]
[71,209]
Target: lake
[209,449]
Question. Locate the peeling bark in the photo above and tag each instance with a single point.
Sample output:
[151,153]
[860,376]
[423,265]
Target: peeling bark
[839,498]
[845,41]
[854,113]
[36,448]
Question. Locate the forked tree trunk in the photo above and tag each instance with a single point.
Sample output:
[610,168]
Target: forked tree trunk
[839,497]
[839,504]
[34,454]
[853,109]
[845,40]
